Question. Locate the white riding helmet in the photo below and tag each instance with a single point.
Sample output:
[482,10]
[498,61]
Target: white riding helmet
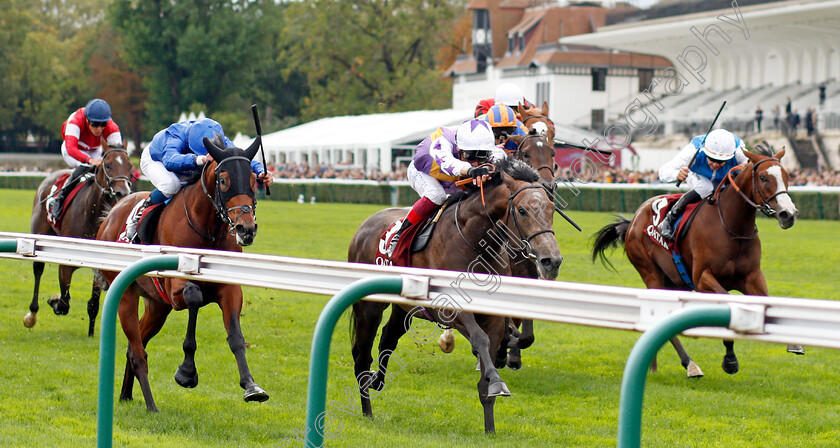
[720,145]
[475,135]
[509,94]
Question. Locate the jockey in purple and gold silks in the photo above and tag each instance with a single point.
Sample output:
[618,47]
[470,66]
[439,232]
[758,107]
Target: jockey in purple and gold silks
[442,159]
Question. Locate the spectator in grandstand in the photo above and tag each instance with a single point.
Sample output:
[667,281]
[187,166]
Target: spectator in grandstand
[794,121]
[83,133]
[822,93]
[776,114]
[788,108]
[759,114]
[713,154]
[810,121]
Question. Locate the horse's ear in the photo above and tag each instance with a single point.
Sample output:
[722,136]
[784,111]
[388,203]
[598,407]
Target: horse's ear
[217,153]
[516,139]
[252,150]
[754,158]
[545,108]
[779,154]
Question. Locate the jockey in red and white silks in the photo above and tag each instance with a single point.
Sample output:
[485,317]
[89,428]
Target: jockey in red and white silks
[83,136]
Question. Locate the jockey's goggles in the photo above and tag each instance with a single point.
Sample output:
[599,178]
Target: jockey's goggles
[476,155]
[719,162]
[97,124]
[503,131]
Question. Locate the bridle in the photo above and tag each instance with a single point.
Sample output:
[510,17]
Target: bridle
[764,206]
[219,202]
[108,188]
[526,250]
[518,154]
[532,117]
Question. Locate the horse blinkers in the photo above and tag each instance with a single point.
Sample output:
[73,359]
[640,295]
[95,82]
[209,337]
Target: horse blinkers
[235,191]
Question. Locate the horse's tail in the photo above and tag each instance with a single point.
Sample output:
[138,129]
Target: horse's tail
[609,237]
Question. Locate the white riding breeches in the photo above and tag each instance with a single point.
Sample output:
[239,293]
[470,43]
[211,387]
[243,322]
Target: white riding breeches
[164,180]
[703,186]
[72,162]
[425,185]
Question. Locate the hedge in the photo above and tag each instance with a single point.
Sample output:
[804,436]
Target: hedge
[811,204]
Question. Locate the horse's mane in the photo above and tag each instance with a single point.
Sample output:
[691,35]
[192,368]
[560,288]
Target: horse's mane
[516,169]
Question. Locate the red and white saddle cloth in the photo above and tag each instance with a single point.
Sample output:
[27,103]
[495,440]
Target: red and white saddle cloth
[58,185]
[402,252]
[659,209]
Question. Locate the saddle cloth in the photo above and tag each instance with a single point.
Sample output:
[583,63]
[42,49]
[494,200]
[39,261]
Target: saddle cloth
[58,185]
[402,252]
[146,226]
[659,209]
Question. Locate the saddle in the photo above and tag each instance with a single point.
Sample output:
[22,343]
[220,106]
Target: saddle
[413,239]
[660,208]
[58,185]
[149,222]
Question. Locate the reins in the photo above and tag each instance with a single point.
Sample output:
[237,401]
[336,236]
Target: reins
[108,189]
[764,207]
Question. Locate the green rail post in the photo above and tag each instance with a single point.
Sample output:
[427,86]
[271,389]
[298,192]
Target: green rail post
[319,358]
[635,372]
[108,329]
[8,245]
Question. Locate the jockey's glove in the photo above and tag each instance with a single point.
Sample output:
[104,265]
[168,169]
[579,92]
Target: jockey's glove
[478,171]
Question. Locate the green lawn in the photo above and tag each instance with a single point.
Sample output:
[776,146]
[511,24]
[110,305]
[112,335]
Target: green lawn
[566,395]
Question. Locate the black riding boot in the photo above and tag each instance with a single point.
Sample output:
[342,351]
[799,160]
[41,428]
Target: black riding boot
[666,226]
[56,202]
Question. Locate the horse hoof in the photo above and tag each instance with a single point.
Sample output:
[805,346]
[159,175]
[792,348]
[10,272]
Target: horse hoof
[255,393]
[796,349]
[498,389]
[29,320]
[185,379]
[446,342]
[693,370]
[514,363]
[730,367]
[60,308]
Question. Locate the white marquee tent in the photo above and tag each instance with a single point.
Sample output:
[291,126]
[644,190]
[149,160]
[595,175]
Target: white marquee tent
[364,141]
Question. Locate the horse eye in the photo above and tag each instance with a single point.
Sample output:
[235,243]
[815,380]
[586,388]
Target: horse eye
[763,178]
[522,211]
[526,155]
[107,166]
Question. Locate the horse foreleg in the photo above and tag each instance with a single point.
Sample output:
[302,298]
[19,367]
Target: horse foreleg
[490,385]
[756,285]
[446,341]
[510,345]
[61,304]
[32,316]
[187,375]
[93,306]
[230,301]
[366,316]
[708,283]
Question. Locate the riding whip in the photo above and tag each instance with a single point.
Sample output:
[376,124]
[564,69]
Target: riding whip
[259,136]
[704,137]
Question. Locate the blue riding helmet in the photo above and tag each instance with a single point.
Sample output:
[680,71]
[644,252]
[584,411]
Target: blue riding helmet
[97,110]
[205,127]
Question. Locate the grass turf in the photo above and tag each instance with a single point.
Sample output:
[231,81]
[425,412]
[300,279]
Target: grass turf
[566,395]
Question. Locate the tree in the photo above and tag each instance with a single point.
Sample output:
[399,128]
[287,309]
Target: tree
[369,56]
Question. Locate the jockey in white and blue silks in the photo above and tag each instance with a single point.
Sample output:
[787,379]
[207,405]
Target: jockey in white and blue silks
[442,159]
[173,156]
[717,153]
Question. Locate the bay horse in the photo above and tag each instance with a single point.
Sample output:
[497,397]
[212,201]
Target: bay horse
[111,181]
[537,151]
[721,250]
[514,198]
[216,210]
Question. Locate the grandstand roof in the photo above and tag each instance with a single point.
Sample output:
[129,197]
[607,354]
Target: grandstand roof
[785,42]
[373,131]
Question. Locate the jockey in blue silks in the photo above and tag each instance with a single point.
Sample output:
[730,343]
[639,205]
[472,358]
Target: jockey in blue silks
[173,156]
[719,151]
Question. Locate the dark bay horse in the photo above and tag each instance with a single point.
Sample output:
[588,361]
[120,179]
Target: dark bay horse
[515,200]
[215,211]
[111,182]
[721,251]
